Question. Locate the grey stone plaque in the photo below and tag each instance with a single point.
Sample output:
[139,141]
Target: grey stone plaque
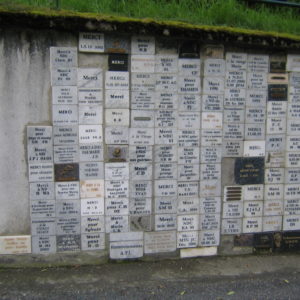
[68,243]
[188,172]
[90,114]
[140,171]
[42,209]
[233,131]
[189,102]
[93,241]
[231,226]
[143,82]
[211,155]
[63,57]
[232,148]
[292,175]
[142,118]
[188,138]
[91,152]
[67,190]
[234,115]
[187,222]
[210,172]
[142,63]
[189,120]
[117,99]
[91,42]
[92,188]
[143,45]
[213,85]
[166,118]
[255,115]
[90,96]
[165,205]
[276,109]
[126,249]
[143,100]
[293,127]
[68,225]
[258,63]
[232,210]
[166,136]
[90,134]
[64,77]
[294,79]
[165,188]
[188,189]
[292,159]
[116,189]
[43,244]
[116,135]
[274,175]
[140,154]
[63,115]
[188,155]
[293,143]
[117,80]
[256,98]
[165,153]
[189,67]
[41,191]
[210,205]
[166,82]
[209,238]
[65,135]
[211,137]
[117,117]
[253,192]
[253,208]
[272,223]
[257,81]
[235,97]
[212,102]
[41,172]
[292,207]
[236,61]
[91,170]
[209,222]
[236,79]
[140,189]
[92,224]
[39,136]
[141,136]
[165,171]
[291,191]
[214,67]
[275,143]
[187,239]
[43,226]
[188,206]
[66,154]
[67,208]
[92,206]
[165,222]
[254,131]
[116,224]
[117,171]
[293,110]
[156,242]
[140,206]
[166,63]
[166,100]
[40,153]
[189,85]
[140,223]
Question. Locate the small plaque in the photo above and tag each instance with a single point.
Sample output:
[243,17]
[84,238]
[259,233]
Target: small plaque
[292,159]
[117,117]
[257,81]
[235,115]
[141,171]
[209,222]
[40,172]
[165,222]
[249,170]
[209,238]
[93,241]
[274,175]
[214,67]
[278,63]
[212,120]
[91,42]
[210,205]
[187,222]
[165,171]
[64,115]
[140,154]
[90,134]
[189,102]
[165,153]
[232,148]
[68,243]
[292,175]
[117,80]
[90,152]
[165,205]
[235,98]
[211,155]
[253,208]
[126,249]
[255,115]
[64,77]
[65,135]
[211,137]
[254,148]
[165,188]
[41,190]
[63,57]
[43,244]
[291,191]
[213,85]
[43,226]
[166,63]
[157,242]
[92,114]
[92,188]
[66,172]
[140,206]
[116,224]
[117,99]
[117,153]
[291,222]
[256,98]
[293,110]
[294,94]
[277,92]
[91,170]
[143,100]
[143,45]
[190,155]
[263,241]
[275,143]
[67,208]
[210,172]
[40,153]
[16,244]
[293,63]
[42,209]
[67,190]
[166,82]
[142,63]
[188,172]
[142,118]
[116,135]
[188,206]
[189,85]
[210,188]
[272,223]
[294,79]
[39,136]
[92,224]
[187,239]
[90,78]
[141,136]
[116,171]
[276,109]
[293,127]
[140,223]
[253,192]
[236,61]
[232,210]
[235,79]
[118,62]
[90,96]
[258,63]
[166,136]
[143,82]
[187,138]
[66,154]
[251,225]
[188,189]
[92,206]
[140,189]
[231,226]
[292,206]
[189,67]
[116,189]
[166,100]
[273,207]
[189,120]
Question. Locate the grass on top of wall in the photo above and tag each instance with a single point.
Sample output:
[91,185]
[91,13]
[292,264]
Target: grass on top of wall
[233,13]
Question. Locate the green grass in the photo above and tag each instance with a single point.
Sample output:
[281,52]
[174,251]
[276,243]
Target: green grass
[232,13]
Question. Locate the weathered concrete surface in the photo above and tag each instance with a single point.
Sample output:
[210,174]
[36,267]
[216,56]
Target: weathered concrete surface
[246,277]
[24,99]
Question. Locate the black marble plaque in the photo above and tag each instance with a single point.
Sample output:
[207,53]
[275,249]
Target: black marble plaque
[290,241]
[249,170]
[66,172]
[263,242]
[277,92]
[243,240]
[277,66]
[189,49]
[118,62]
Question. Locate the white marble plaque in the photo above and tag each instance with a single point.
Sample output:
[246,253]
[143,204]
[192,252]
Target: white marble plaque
[140,206]
[293,111]
[272,223]
[232,148]
[93,241]
[140,189]
[292,175]
[39,135]
[210,205]
[275,143]
[165,153]
[116,135]
[188,172]
[67,190]
[166,82]
[253,208]
[117,117]
[64,77]
[209,222]
[156,242]
[187,239]
[210,172]
[292,159]
[232,210]
[293,127]
[92,206]
[253,192]
[142,118]
[91,152]
[276,109]
[214,67]
[17,244]
[255,131]
[291,222]
[143,100]
[236,61]
[211,137]
[126,249]
[141,136]
[166,118]
[143,45]
[254,148]
[116,189]
[188,138]
[257,81]
[273,207]
[209,238]
[143,82]
[116,171]
[90,78]
[90,96]
[292,206]
[64,95]
[40,153]
[92,188]
[189,102]
[189,85]
[90,114]
[291,191]
[233,131]
[187,222]
[91,170]
[189,120]
[235,97]
[41,172]
[165,188]
[235,79]
[41,191]
[92,224]
[116,224]
[165,205]
[234,115]
[65,135]
[231,226]
[252,224]
[90,134]
[91,42]
[255,114]
[42,208]
[117,80]
[188,189]
[189,155]
[166,63]
[166,136]
[188,206]
[256,98]
[142,63]
[212,102]
[116,207]
[212,120]
[258,63]
[165,171]
[189,67]
[274,175]
[210,188]
[66,154]
[140,171]
[63,57]
[64,115]
[165,222]
[140,154]
[213,85]
[117,98]
[278,125]
[293,63]
[211,155]
[166,100]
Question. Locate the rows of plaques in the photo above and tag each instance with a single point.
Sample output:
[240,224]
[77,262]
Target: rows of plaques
[133,160]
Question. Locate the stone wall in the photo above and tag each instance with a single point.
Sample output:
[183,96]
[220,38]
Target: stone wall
[146,145]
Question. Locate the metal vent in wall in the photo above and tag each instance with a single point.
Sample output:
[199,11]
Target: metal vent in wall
[233,193]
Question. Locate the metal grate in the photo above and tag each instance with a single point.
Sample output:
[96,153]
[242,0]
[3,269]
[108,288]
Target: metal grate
[233,193]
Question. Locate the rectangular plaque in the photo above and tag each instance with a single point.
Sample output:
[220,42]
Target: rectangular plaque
[92,206]
[210,188]
[43,244]
[92,224]
[272,223]
[90,78]
[157,242]
[64,115]
[143,45]
[165,136]
[189,102]
[188,155]
[274,175]
[251,225]
[116,171]
[293,63]
[263,241]
[66,172]
[166,100]
[243,240]
[67,190]
[117,207]
[210,205]
[118,62]
[142,63]
[140,154]
[140,188]
[293,127]
[211,137]
[140,206]
[232,210]
[292,175]
[275,143]
[63,57]
[41,191]
[140,223]
[210,172]
[116,135]
[165,205]
[235,79]
[166,63]
[256,81]
[64,76]
[189,120]
[65,135]
[143,100]
[117,99]
[15,244]
[294,94]
[90,134]
[277,92]
[189,85]
[66,154]
[126,249]
[117,80]
[165,222]
[91,42]
[116,189]
[276,109]
[211,102]
[186,138]
[232,148]
[91,152]
[235,97]
[165,188]
[235,115]
[209,222]
[188,206]
[258,63]
[90,96]
[39,136]
[43,226]
[293,110]
[254,148]
[236,61]
[256,98]
[68,243]
[91,170]
[165,171]
[211,155]
[116,44]
[143,82]
[211,120]
[253,208]
[40,153]
[187,239]
[255,115]
[165,153]
[291,222]
[116,224]
[253,192]
[231,226]
[214,67]
[92,188]
[213,85]
[188,172]
[292,206]
[117,117]
[42,209]
[67,208]
[189,67]
[142,118]
[166,82]
[209,238]
[40,172]
[273,207]
[90,114]
[290,241]
[188,189]
[294,79]
[92,241]
[141,171]
[187,222]
[141,136]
